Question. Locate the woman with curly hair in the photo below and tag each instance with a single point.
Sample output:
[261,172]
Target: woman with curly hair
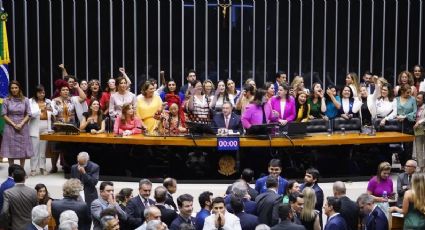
[405,78]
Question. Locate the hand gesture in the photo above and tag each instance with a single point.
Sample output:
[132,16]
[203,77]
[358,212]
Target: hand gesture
[219,220]
[283,122]
[122,70]
[329,92]
[61,66]
[111,199]
[382,123]
[81,169]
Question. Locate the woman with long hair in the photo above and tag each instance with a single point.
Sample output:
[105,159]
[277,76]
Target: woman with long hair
[106,96]
[283,106]
[418,77]
[293,186]
[40,123]
[405,78]
[199,104]
[352,81]
[93,121]
[317,102]
[220,97]
[208,89]
[44,197]
[309,216]
[333,102]
[386,106]
[298,86]
[16,111]
[414,204]
[232,91]
[269,87]
[127,123]
[302,107]
[93,92]
[121,97]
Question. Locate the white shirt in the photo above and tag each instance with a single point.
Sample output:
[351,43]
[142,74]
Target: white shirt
[346,105]
[386,109]
[232,222]
[282,108]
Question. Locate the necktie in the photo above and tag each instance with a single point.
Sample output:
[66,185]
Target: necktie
[409,178]
[146,203]
[227,122]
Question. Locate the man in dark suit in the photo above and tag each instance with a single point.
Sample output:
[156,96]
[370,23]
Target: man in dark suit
[286,215]
[171,185]
[274,168]
[248,221]
[227,119]
[185,204]
[247,176]
[311,179]
[167,215]
[335,220]
[240,190]
[71,193]
[9,182]
[268,203]
[18,202]
[404,180]
[88,173]
[349,209]
[368,82]
[137,204]
[375,218]
[280,80]
[40,217]
[191,77]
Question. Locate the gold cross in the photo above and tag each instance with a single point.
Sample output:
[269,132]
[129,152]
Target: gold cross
[224,6]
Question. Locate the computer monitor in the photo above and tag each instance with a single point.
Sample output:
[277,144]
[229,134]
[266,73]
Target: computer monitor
[260,130]
[196,128]
[295,129]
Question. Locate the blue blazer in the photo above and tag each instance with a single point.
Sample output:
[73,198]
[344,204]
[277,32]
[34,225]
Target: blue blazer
[8,183]
[336,223]
[249,206]
[234,123]
[89,180]
[31,227]
[260,185]
[377,220]
[248,221]
[135,209]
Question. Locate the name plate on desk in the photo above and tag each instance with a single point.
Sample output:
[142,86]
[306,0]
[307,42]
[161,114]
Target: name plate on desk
[228,143]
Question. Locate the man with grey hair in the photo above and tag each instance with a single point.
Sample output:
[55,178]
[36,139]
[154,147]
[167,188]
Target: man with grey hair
[68,225]
[68,215]
[151,213]
[138,204]
[39,217]
[88,173]
[349,209]
[240,190]
[71,192]
[156,225]
[375,218]
[404,180]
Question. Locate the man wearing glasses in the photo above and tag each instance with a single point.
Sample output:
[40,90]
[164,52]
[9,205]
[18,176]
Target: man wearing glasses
[403,180]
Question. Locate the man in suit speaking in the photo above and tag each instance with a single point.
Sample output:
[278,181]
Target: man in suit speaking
[227,119]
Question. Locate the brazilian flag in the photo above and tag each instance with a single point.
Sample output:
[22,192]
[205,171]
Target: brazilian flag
[4,61]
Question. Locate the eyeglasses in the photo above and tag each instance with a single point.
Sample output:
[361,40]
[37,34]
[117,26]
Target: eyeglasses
[410,166]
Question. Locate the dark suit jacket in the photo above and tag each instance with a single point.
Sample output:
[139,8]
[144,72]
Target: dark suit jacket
[170,201]
[80,208]
[31,227]
[251,192]
[234,122]
[17,206]
[167,215]
[249,206]
[89,180]
[350,212]
[287,225]
[248,221]
[267,207]
[336,223]
[402,180]
[377,220]
[134,210]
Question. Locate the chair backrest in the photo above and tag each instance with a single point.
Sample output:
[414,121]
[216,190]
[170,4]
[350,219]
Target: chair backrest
[352,124]
[317,126]
[390,125]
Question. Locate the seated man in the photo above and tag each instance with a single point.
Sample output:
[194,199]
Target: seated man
[275,168]
[227,119]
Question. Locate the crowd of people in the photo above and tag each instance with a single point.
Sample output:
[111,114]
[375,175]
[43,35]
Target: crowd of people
[162,109]
[274,203]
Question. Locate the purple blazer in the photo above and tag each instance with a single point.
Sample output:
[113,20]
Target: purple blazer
[253,115]
[290,112]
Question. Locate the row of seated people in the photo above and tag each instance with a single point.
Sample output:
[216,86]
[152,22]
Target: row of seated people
[274,203]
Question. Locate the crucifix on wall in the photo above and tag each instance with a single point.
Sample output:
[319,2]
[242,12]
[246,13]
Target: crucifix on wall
[224,5]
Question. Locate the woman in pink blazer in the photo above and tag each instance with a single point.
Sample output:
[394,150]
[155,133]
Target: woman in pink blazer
[283,106]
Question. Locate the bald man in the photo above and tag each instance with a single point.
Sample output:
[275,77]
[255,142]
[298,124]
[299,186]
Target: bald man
[349,209]
[404,179]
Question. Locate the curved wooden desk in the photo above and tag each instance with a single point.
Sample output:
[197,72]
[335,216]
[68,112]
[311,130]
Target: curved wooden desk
[313,140]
